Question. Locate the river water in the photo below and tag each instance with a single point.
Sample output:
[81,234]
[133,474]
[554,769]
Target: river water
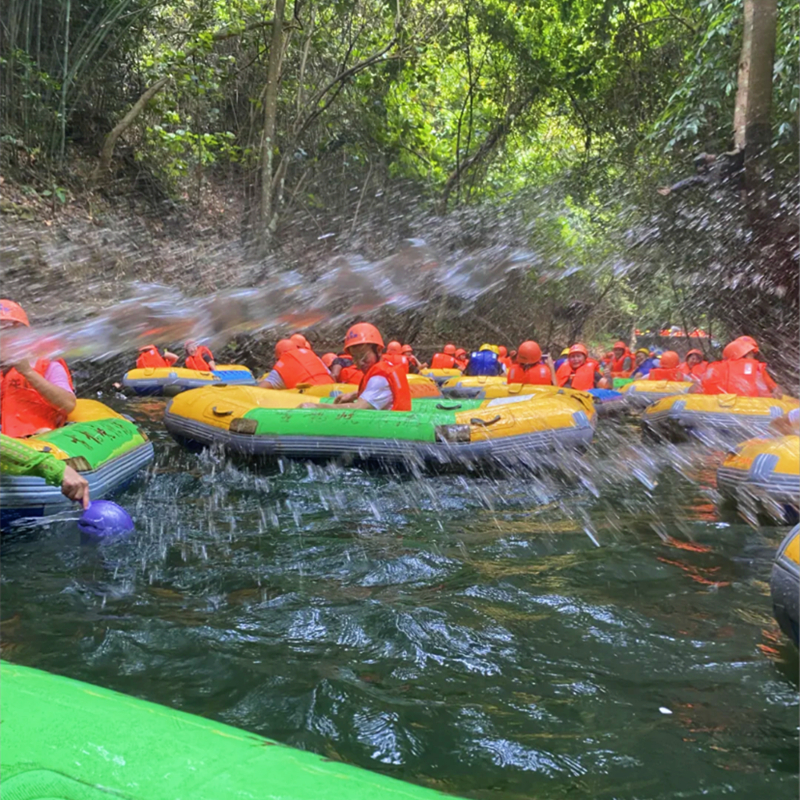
[600,633]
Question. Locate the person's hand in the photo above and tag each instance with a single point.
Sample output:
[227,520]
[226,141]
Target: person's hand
[308,405]
[75,487]
[777,392]
[346,397]
[664,191]
[24,368]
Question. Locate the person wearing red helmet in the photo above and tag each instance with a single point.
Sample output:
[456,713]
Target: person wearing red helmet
[394,356]
[580,372]
[623,361]
[668,370]
[37,398]
[383,386]
[694,366]
[461,357]
[295,365]
[740,372]
[199,357]
[446,359]
[502,357]
[531,368]
[413,362]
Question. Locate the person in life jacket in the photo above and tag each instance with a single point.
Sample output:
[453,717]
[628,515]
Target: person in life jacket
[394,356]
[33,399]
[343,370]
[503,358]
[562,359]
[580,372]
[739,372]
[295,365]
[446,359]
[383,387]
[462,359]
[301,341]
[199,357]
[531,367]
[695,365]
[485,361]
[413,362]
[151,358]
[668,369]
[644,362]
[623,361]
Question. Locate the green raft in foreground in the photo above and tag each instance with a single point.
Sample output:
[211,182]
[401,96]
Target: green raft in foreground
[71,741]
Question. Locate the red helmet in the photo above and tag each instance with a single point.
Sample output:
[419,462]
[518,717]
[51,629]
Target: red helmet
[299,340]
[669,359]
[283,345]
[740,347]
[579,348]
[13,312]
[450,350]
[503,351]
[363,333]
[328,359]
[394,347]
[620,345]
[529,353]
[407,349]
[460,353]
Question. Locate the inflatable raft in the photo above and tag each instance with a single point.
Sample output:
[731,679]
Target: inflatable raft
[263,423]
[640,394]
[765,474]
[785,584]
[70,740]
[172,380]
[607,401]
[107,449]
[710,417]
[440,375]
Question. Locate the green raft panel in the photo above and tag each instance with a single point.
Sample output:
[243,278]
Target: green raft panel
[66,740]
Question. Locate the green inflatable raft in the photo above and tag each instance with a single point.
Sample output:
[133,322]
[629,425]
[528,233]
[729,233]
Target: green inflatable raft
[66,740]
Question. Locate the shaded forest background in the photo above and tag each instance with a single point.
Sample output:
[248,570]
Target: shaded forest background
[168,141]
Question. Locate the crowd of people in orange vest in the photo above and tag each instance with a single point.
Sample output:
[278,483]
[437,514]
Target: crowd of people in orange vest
[40,396]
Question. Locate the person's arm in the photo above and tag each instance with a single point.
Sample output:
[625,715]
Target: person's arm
[549,363]
[773,387]
[169,357]
[55,395]
[273,381]
[345,400]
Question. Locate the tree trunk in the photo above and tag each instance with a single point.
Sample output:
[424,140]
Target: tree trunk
[266,214]
[743,79]
[758,130]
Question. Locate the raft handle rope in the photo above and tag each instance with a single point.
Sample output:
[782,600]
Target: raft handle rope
[485,422]
[221,413]
[443,407]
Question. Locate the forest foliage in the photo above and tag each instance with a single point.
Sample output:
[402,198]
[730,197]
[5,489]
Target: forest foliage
[574,112]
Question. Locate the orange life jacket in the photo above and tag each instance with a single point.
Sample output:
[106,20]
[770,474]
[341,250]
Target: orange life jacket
[538,375]
[351,375]
[698,370]
[443,361]
[618,365]
[582,378]
[506,362]
[23,411]
[659,374]
[743,376]
[152,359]
[396,360]
[197,361]
[301,366]
[398,383]
[461,363]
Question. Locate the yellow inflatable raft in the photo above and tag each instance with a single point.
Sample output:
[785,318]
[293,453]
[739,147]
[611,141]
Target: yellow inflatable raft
[172,380]
[785,584]
[440,375]
[713,417]
[765,475]
[262,422]
[640,394]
